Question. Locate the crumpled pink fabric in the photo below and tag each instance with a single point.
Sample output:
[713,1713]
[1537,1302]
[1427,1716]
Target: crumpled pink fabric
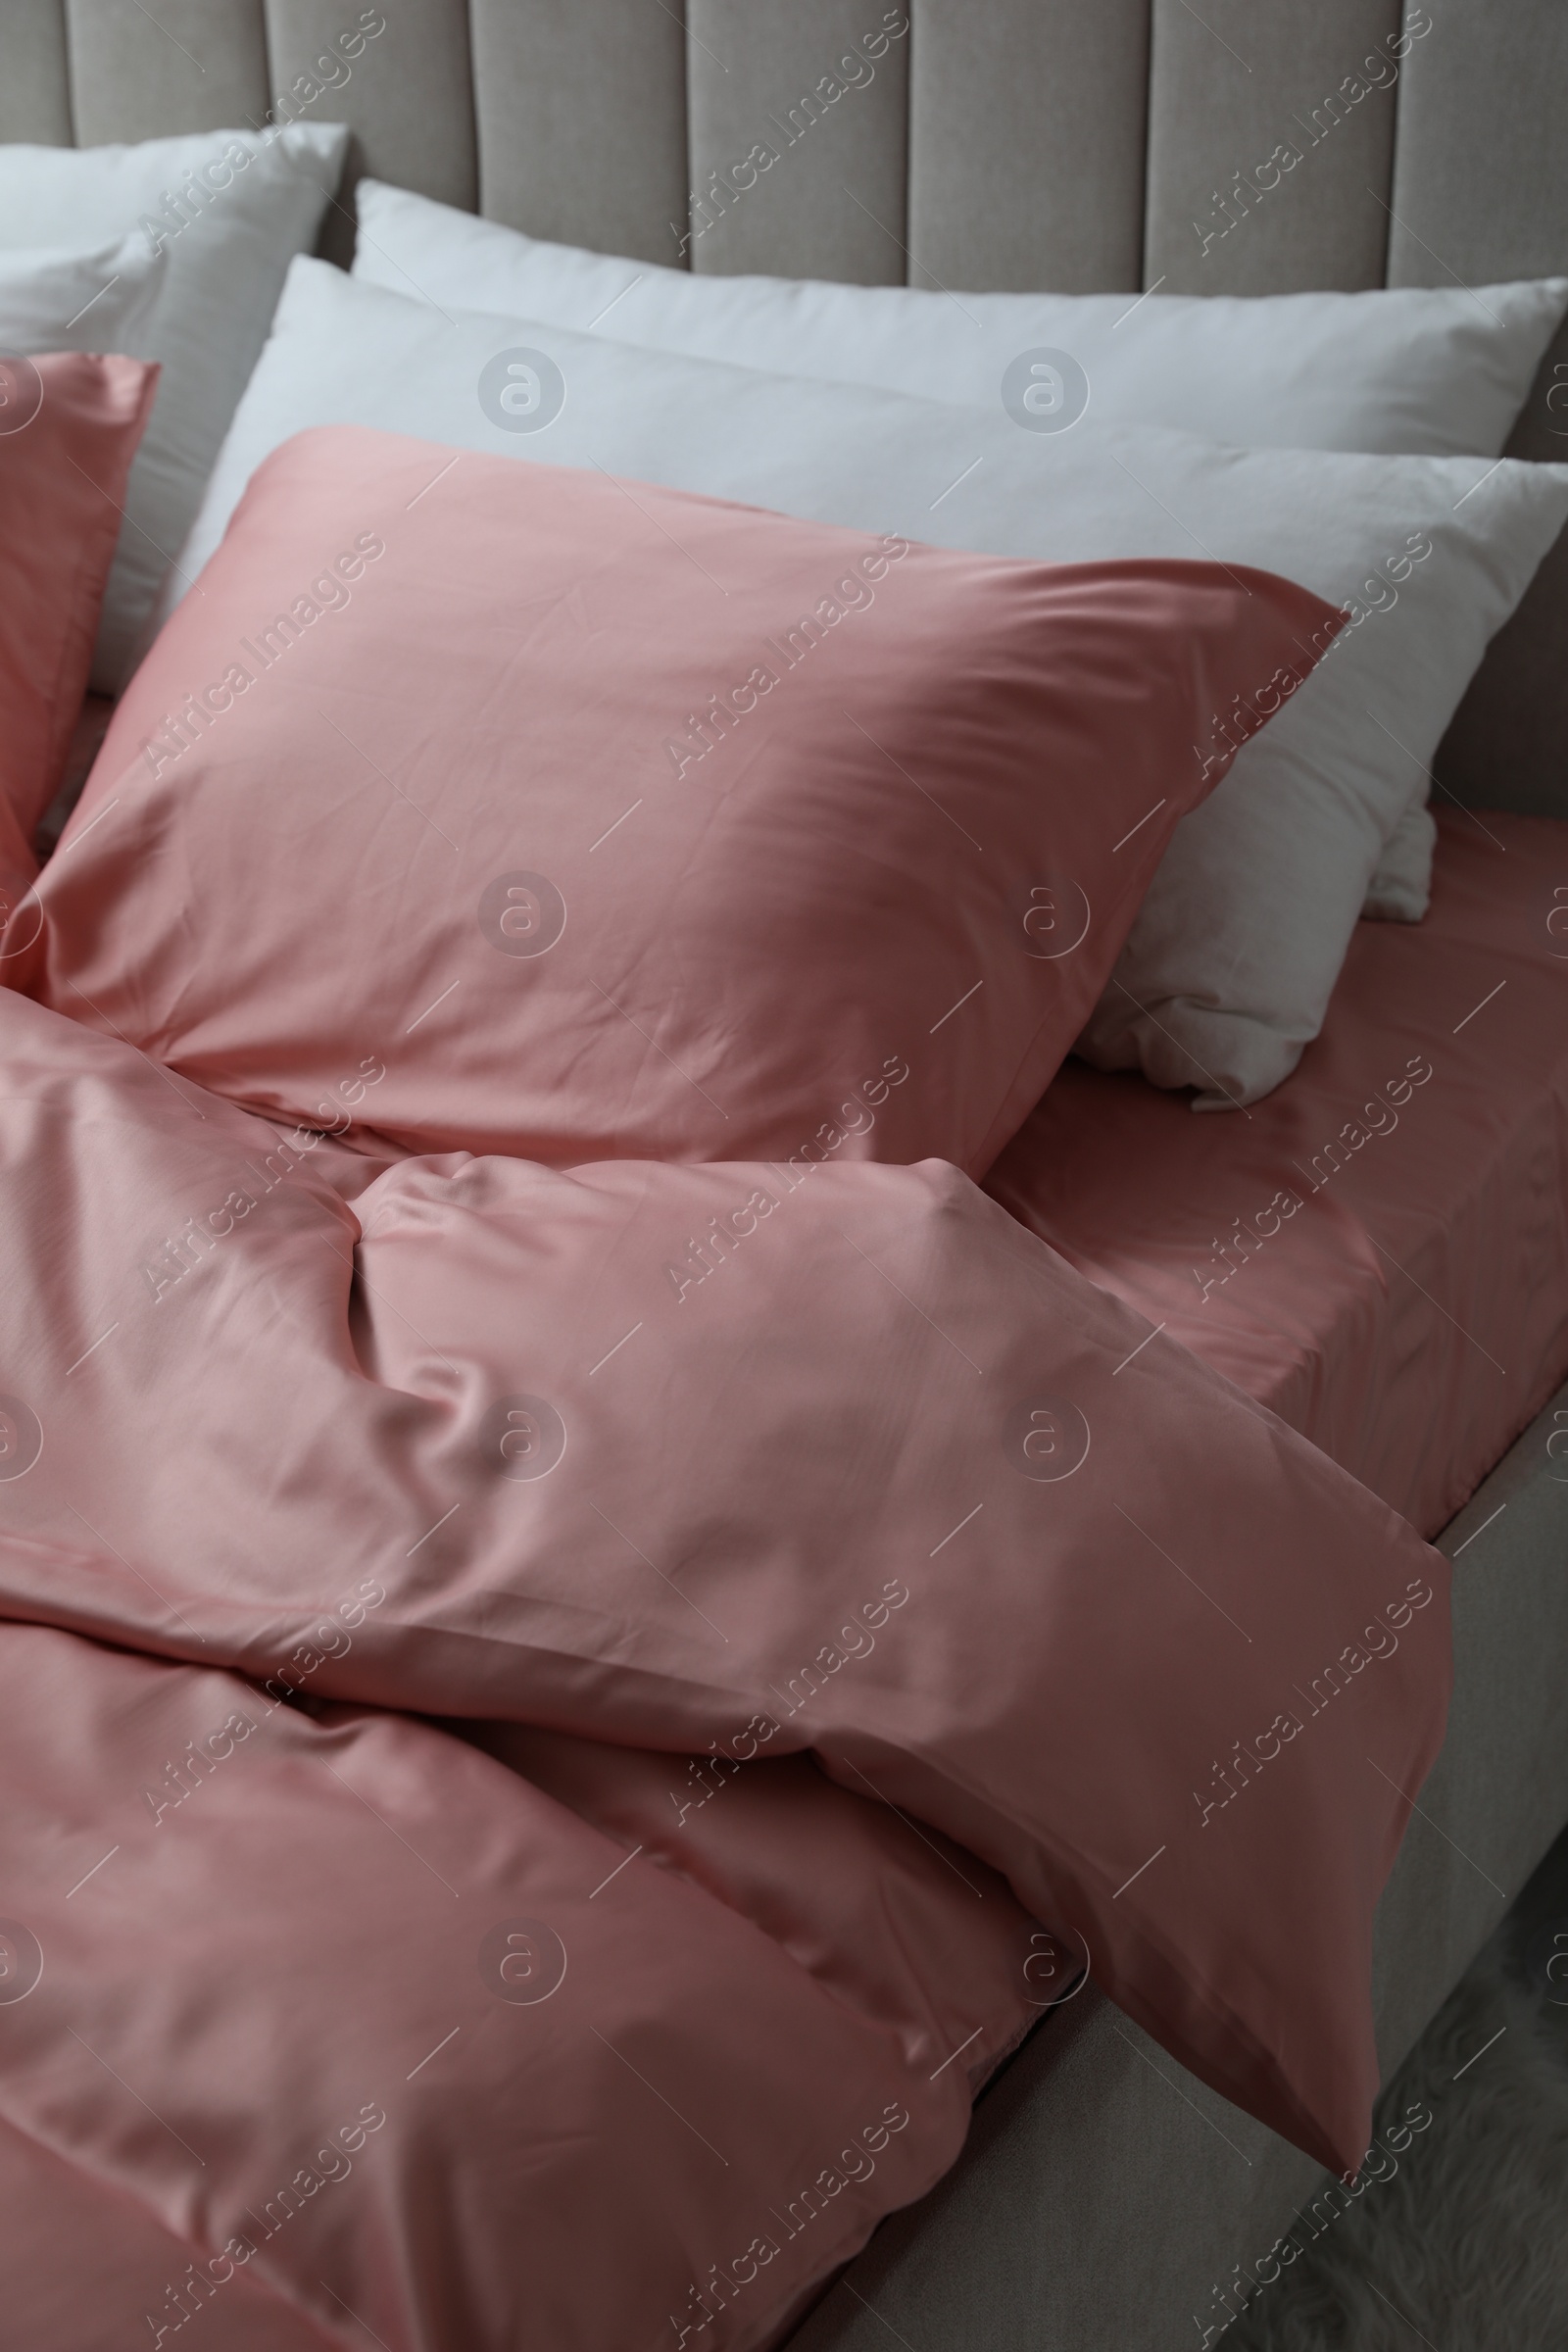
[341,2027]
[846,1625]
[887,1482]
[69,426]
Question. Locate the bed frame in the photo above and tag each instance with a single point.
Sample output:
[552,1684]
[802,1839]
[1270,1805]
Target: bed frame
[1105,2197]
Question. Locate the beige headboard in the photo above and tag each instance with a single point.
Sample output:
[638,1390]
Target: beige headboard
[1078,144]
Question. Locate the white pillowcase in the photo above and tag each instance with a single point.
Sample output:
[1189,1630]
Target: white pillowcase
[1231,962]
[101,300]
[1401,888]
[221,215]
[1435,372]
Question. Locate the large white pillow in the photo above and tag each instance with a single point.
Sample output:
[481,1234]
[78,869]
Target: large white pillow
[100,300]
[1435,372]
[1231,962]
[222,214]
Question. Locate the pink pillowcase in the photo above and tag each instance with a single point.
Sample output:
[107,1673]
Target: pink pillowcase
[70,423]
[618,823]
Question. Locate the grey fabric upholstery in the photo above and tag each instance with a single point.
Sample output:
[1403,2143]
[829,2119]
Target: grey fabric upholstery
[1492,88]
[582,119]
[410,95]
[1481,175]
[35,74]
[1027,130]
[1235,89]
[195,64]
[1105,2194]
[799,85]
[1509,745]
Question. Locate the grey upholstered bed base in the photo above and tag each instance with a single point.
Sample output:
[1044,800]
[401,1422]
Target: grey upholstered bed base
[1083,145]
[1105,2194]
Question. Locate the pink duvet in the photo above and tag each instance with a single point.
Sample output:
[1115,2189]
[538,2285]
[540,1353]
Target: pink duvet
[889,1487]
[358,2024]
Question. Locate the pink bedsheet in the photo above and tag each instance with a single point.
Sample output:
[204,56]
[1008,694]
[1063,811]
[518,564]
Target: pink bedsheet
[1378,1251]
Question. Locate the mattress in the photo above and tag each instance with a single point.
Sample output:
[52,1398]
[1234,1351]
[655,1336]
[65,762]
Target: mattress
[1378,1251]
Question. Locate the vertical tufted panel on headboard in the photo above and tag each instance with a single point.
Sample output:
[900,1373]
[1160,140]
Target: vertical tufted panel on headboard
[1236,92]
[1467,96]
[799,138]
[1027,132]
[582,119]
[35,84]
[191,64]
[1472,97]
[409,93]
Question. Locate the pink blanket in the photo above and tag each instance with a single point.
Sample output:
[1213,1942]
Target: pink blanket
[639,2038]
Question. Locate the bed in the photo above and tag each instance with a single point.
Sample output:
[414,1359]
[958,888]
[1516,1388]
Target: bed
[1377,1251]
[1383,1299]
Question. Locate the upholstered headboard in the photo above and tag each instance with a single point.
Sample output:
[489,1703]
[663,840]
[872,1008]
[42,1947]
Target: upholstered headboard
[1077,145]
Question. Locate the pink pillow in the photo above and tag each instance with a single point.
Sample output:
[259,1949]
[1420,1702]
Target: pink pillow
[70,423]
[620,822]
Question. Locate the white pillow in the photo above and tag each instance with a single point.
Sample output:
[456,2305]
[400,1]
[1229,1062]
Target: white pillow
[1401,888]
[1435,372]
[100,300]
[1431,371]
[223,213]
[1231,962]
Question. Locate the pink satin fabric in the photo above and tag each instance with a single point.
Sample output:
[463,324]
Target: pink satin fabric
[889,1481]
[848,1623]
[1378,1251]
[343,2029]
[70,423]
[617,822]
